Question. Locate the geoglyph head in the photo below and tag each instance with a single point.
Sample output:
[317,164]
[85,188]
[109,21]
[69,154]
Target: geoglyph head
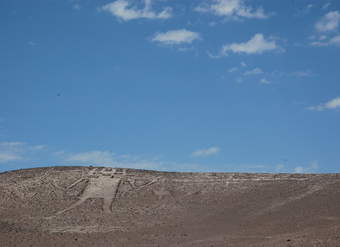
[106,171]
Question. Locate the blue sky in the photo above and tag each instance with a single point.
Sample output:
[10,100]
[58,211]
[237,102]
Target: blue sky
[204,85]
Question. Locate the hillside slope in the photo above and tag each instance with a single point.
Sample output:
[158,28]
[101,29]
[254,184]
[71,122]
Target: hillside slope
[105,207]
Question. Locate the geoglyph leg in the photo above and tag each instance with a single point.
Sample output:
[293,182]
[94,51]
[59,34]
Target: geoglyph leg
[107,205]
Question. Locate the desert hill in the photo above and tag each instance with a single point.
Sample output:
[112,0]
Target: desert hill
[106,207]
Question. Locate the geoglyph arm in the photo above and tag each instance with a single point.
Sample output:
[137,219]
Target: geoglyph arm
[148,184]
[76,182]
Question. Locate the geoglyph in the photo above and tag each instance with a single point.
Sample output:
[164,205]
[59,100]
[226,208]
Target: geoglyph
[103,184]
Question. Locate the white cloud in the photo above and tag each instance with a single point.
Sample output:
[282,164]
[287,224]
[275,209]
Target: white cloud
[298,169]
[256,45]
[325,6]
[93,157]
[313,167]
[309,6]
[124,10]
[239,80]
[176,37]
[7,157]
[319,44]
[15,151]
[233,69]
[76,6]
[279,167]
[333,104]
[256,71]
[11,144]
[334,41]
[206,152]
[10,151]
[329,22]
[213,56]
[108,158]
[303,73]
[231,8]
[38,147]
[322,37]
[265,81]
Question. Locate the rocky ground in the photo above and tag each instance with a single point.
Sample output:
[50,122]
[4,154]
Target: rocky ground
[105,207]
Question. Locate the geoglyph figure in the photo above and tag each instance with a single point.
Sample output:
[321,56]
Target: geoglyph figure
[102,184]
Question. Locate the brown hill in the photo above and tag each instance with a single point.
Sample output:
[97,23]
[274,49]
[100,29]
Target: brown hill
[105,207]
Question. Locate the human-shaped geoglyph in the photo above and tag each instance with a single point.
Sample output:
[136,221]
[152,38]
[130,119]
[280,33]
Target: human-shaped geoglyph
[102,184]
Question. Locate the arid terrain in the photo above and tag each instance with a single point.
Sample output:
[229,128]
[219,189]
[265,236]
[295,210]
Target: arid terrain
[106,207]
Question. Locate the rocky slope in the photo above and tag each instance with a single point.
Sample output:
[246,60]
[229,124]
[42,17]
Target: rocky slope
[105,207]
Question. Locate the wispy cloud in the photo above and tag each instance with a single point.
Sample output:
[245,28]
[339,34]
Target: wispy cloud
[258,44]
[32,43]
[309,6]
[232,70]
[9,156]
[297,73]
[22,152]
[108,158]
[255,71]
[176,37]
[206,152]
[303,73]
[126,11]
[15,151]
[325,26]
[76,6]
[265,81]
[326,5]
[333,104]
[334,41]
[10,151]
[244,72]
[279,167]
[92,157]
[231,8]
[312,167]
[298,169]
[329,22]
